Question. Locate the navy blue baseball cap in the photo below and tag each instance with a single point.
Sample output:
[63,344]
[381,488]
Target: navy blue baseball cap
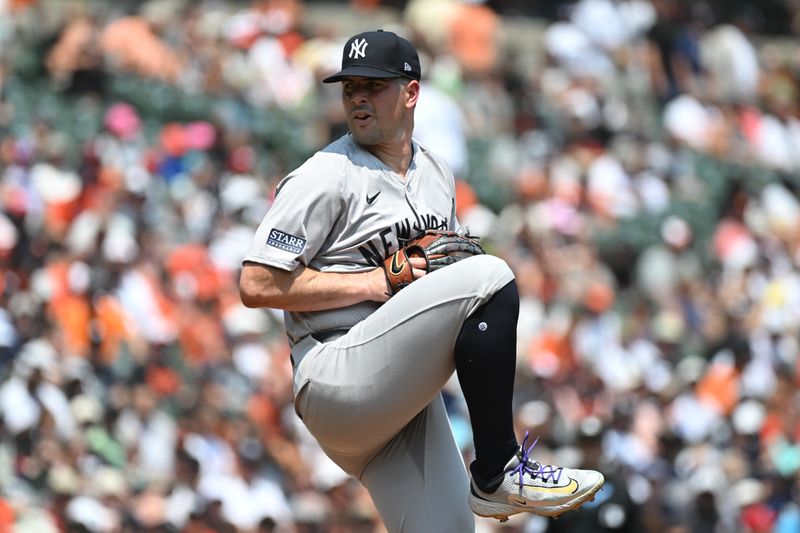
[378,54]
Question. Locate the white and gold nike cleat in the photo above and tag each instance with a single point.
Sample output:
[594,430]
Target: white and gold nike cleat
[531,487]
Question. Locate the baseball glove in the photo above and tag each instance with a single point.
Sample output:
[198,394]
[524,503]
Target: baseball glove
[439,248]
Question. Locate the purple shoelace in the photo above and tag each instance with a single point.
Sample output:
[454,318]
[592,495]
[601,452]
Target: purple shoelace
[533,468]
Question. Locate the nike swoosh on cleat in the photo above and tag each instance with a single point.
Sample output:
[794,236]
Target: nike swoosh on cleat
[518,501]
[569,488]
[371,199]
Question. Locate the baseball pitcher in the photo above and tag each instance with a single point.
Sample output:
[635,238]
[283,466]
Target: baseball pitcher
[384,297]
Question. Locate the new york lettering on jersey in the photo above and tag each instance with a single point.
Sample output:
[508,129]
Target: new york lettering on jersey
[382,245]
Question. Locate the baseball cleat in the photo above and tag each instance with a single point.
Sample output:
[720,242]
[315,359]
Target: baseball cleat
[531,487]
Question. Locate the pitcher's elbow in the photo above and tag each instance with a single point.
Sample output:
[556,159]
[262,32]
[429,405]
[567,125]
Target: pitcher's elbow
[247,299]
[248,292]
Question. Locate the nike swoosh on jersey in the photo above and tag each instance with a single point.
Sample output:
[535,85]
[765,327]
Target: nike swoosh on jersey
[394,268]
[371,199]
[569,488]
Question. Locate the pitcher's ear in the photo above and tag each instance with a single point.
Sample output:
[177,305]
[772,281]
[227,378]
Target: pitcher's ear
[412,92]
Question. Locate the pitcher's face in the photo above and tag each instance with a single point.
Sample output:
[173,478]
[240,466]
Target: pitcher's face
[376,108]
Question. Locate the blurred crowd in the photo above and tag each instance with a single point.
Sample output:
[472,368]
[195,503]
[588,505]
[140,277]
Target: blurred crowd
[635,161]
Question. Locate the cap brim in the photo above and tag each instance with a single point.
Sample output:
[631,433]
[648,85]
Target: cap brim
[361,72]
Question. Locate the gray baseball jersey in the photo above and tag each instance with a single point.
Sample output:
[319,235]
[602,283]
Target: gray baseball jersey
[344,210]
[371,396]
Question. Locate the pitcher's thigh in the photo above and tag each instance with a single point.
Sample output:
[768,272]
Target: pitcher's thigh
[418,481]
[369,384]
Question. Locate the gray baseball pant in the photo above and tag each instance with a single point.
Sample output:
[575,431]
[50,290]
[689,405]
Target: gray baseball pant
[372,397]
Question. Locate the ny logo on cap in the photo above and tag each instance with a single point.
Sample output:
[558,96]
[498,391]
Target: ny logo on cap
[358,49]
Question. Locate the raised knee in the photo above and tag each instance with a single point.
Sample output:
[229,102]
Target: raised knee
[492,266]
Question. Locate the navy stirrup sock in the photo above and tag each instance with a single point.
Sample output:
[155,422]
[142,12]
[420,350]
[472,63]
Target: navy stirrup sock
[485,358]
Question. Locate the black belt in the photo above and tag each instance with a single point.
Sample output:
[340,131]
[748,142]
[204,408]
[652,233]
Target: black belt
[329,334]
[325,335]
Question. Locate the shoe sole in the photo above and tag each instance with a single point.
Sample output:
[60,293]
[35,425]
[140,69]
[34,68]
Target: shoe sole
[548,511]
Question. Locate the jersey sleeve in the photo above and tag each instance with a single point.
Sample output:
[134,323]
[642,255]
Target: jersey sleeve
[298,222]
[455,225]
[448,184]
